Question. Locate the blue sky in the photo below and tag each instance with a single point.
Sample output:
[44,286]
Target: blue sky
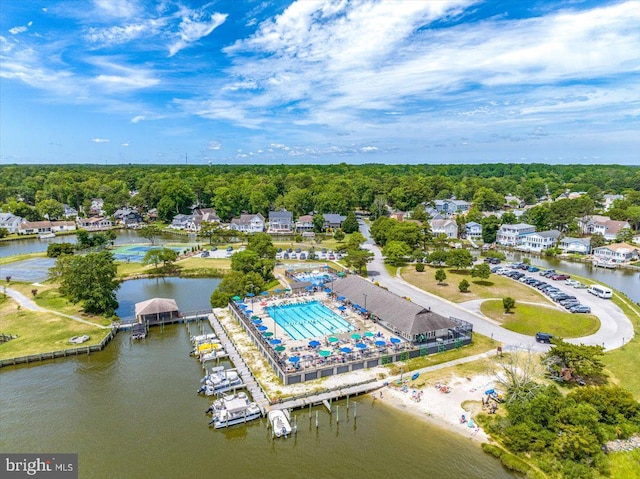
[252,82]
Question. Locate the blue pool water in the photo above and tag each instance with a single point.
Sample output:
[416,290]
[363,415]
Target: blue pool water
[308,320]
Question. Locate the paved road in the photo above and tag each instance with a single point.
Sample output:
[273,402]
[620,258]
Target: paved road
[615,330]
[27,303]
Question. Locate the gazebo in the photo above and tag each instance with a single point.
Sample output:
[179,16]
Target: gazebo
[157,310]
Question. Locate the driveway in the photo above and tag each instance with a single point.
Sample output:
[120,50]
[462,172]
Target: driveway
[615,327]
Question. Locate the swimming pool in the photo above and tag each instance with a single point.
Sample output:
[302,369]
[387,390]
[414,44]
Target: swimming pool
[308,320]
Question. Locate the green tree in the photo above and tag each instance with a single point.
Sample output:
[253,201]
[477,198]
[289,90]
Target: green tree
[318,223]
[350,224]
[482,271]
[420,267]
[441,276]
[355,240]
[490,227]
[89,279]
[83,239]
[395,252]
[437,256]
[209,229]
[50,209]
[633,217]
[597,240]
[625,235]
[488,199]
[262,244]
[358,258]
[463,286]
[168,257]
[509,218]
[153,256]
[150,232]
[582,361]
[338,235]
[508,304]
[419,214]
[4,232]
[406,231]
[57,249]
[459,258]
[379,229]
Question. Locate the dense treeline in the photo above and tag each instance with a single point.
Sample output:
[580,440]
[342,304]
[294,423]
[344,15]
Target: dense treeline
[33,191]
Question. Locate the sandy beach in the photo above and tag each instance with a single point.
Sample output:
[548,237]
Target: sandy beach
[445,409]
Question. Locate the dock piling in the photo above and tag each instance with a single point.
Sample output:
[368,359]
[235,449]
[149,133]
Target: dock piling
[316,419]
[337,414]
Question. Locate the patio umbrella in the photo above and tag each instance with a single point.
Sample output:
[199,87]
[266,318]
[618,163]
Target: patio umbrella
[288,290]
[356,336]
[308,288]
[262,328]
[267,334]
[265,293]
[361,345]
[243,306]
[277,290]
[255,317]
[369,334]
[342,308]
[237,298]
[250,295]
[380,343]
[364,311]
[275,341]
[324,353]
[341,298]
[333,339]
[248,311]
[314,343]
[294,359]
[341,274]
[257,321]
[345,350]
[280,348]
[327,290]
[395,340]
[357,306]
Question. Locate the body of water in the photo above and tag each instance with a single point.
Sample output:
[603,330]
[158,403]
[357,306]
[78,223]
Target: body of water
[132,411]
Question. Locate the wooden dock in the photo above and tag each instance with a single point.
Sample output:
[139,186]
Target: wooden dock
[258,395]
[327,397]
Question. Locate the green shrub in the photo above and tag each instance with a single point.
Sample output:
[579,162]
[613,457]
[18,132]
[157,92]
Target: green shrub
[420,267]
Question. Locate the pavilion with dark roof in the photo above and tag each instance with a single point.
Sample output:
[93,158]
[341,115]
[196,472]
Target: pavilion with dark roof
[157,310]
[404,318]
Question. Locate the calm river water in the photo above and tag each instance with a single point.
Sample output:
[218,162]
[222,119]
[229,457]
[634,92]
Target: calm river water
[131,411]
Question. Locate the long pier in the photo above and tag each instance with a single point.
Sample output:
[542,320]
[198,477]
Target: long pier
[258,395]
[327,397]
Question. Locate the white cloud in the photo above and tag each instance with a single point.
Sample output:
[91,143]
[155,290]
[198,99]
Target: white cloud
[124,144]
[117,8]
[122,34]
[100,140]
[21,29]
[119,77]
[194,26]
[214,145]
[138,118]
[368,149]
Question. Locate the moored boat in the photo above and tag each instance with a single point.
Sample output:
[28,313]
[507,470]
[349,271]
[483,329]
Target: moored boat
[234,409]
[47,235]
[220,381]
[279,419]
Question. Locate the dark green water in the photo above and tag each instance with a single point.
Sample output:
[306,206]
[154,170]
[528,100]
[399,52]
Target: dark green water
[131,411]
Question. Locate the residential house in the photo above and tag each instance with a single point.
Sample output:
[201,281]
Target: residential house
[94,224]
[446,227]
[10,222]
[609,229]
[44,227]
[511,201]
[541,240]
[607,201]
[280,221]
[69,212]
[618,252]
[399,215]
[473,230]
[575,245]
[304,223]
[97,207]
[248,223]
[513,235]
[202,215]
[127,217]
[152,214]
[452,206]
[333,220]
[181,221]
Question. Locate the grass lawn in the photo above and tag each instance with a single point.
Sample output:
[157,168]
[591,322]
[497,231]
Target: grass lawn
[495,287]
[625,464]
[41,332]
[529,319]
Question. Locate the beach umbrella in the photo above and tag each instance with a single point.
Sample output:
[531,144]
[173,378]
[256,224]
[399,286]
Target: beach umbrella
[265,293]
[243,306]
[324,353]
[294,359]
[248,311]
[357,306]
[341,274]
[327,290]
[277,290]
[364,311]
[275,341]
[342,308]
[288,290]
[314,343]
[395,340]
[356,336]
[361,346]
[280,348]
[237,298]
[250,295]
[267,334]
[255,317]
[256,320]
[341,298]
[345,350]
[380,343]
[333,339]
[369,334]
[308,288]
[262,328]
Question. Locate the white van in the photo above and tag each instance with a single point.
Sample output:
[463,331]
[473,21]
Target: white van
[600,291]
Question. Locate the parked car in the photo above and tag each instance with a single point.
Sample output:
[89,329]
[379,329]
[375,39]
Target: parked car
[560,277]
[332,256]
[303,255]
[214,248]
[285,256]
[548,272]
[533,269]
[229,248]
[494,261]
[581,308]
[298,250]
[205,254]
[544,338]
[580,286]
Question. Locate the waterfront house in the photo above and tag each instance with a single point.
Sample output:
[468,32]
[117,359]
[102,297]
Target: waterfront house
[97,207]
[575,245]
[248,223]
[199,216]
[540,241]
[473,230]
[45,227]
[156,311]
[181,221]
[69,212]
[10,222]
[304,223]
[333,220]
[618,252]
[127,216]
[94,224]
[280,222]
[452,206]
[449,228]
[400,316]
[609,229]
[513,235]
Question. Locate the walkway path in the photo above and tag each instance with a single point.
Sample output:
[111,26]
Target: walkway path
[29,304]
[615,328]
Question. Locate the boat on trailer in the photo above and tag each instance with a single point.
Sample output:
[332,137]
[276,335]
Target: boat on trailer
[279,419]
[234,409]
